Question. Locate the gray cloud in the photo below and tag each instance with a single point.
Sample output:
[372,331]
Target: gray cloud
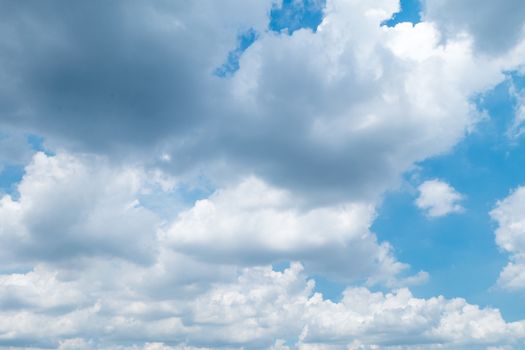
[14,149]
[331,117]
[101,74]
[495,25]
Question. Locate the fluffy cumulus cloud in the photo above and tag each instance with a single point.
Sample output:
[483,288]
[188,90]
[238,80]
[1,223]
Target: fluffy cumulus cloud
[253,223]
[68,208]
[437,198]
[183,299]
[510,237]
[297,148]
[65,210]
[253,310]
[351,107]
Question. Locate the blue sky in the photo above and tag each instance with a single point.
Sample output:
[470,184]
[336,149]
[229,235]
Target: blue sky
[485,167]
[458,251]
[295,174]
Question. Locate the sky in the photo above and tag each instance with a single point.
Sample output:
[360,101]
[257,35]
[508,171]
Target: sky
[271,174]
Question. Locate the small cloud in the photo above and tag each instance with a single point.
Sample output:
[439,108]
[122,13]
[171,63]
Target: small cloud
[437,198]
[510,234]
[517,128]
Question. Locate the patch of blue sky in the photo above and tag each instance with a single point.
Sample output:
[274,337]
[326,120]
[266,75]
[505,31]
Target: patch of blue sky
[330,289]
[167,204]
[280,266]
[293,15]
[12,173]
[10,176]
[410,12]
[37,144]
[244,41]
[459,250]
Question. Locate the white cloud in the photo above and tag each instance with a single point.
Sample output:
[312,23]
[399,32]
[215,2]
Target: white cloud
[258,307]
[39,289]
[437,198]
[510,236]
[186,299]
[73,207]
[364,102]
[74,344]
[517,128]
[253,223]
[512,276]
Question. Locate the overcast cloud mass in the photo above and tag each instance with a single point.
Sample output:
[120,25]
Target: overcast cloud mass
[215,174]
